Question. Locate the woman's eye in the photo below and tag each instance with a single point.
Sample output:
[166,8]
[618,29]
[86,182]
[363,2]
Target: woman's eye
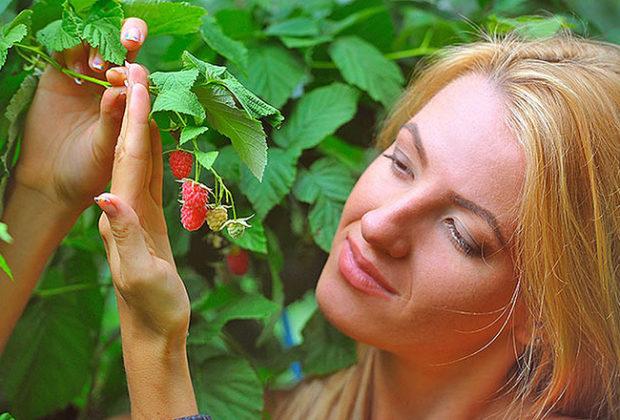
[460,242]
[398,166]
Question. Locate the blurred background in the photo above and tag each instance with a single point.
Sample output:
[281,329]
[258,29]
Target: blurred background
[334,68]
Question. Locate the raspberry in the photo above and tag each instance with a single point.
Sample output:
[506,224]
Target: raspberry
[238,261]
[217,217]
[194,194]
[235,230]
[181,163]
[193,218]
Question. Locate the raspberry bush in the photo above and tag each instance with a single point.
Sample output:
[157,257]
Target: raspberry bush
[240,179]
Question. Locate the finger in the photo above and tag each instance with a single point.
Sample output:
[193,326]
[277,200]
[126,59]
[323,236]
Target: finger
[133,34]
[96,61]
[111,110]
[157,176]
[133,150]
[135,260]
[74,59]
[136,74]
[110,247]
[117,76]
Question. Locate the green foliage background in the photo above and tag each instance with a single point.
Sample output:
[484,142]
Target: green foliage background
[334,68]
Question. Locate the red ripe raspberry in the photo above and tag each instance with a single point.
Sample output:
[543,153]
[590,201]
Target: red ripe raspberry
[181,163]
[192,218]
[238,260]
[194,194]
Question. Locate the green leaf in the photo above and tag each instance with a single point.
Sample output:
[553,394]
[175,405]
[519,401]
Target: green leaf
[8,37]
[175,93]
[227,47]
[253,238]
[206,159]
[326,349]
[228,165]
[299,26]
[228,388]
[363,65]
[326,177]
[324,218]
[17,106]
[5,267]
[4,233]
[350,155]
[253,105]
[317,115]
[55,338]
[246,134]
[272,73]
[6,416]
[62,34]
[190,133]
[102,28]
[165,17]
[276,183]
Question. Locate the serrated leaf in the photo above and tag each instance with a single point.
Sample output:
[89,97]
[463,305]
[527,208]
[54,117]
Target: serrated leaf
[103,34]
[8,37]
[253,239]
[227,47]
[165,17]
[82,5]
[277,181]
[190,132]
[54,37]
[239,396]
[326,348]
[253,105]
[52,328]
[175,93]
[363,65]
[228,164]
[6,416]
[272,73]
[350,155]
[317,114]
[326,177]
[324,218]
[206,159]
[245,133]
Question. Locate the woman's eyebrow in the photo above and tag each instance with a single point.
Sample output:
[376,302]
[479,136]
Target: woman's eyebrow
[455,198]
[417,141]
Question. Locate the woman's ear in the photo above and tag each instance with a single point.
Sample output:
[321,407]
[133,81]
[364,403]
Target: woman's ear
[523,325]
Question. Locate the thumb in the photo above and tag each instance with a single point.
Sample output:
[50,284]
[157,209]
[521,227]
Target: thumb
[126,233]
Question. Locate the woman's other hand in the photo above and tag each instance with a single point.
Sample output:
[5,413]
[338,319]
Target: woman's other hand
[152,299]
[71,129]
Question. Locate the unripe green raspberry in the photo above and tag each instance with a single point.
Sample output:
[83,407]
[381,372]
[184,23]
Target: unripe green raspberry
[217,217]
[235,230]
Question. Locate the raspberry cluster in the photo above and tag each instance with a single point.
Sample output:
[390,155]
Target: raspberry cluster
[195,197]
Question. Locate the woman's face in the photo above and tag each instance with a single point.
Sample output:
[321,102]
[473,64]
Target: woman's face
[434,218]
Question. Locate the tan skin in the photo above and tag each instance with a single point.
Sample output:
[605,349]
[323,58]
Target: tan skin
[67,153]
[441,315]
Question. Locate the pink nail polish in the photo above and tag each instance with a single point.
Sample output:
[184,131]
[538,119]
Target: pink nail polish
[104,202]
[133,34]
[77,67]
[97,63]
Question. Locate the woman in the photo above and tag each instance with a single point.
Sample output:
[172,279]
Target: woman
[476,259]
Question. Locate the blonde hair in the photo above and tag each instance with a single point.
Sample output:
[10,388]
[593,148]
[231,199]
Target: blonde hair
[563,102]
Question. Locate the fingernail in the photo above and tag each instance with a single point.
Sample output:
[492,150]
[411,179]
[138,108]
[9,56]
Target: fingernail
[97,63]
[77,67]
[104,202]
[133,34]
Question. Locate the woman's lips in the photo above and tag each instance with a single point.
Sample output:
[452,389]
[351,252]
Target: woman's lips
[360,273]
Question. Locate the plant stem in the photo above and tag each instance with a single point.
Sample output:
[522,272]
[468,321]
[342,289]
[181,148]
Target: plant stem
[45,293]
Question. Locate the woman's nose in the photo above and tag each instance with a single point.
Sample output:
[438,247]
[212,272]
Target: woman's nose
[390,227]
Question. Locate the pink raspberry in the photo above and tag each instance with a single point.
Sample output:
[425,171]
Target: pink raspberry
[192,218]
[181,163]
[194,194]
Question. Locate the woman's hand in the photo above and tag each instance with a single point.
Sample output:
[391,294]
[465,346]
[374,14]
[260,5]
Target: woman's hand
[152,301]
[151,296]
[71,130]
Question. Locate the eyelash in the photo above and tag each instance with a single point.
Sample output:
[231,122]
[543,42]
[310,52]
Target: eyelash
[403,170]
